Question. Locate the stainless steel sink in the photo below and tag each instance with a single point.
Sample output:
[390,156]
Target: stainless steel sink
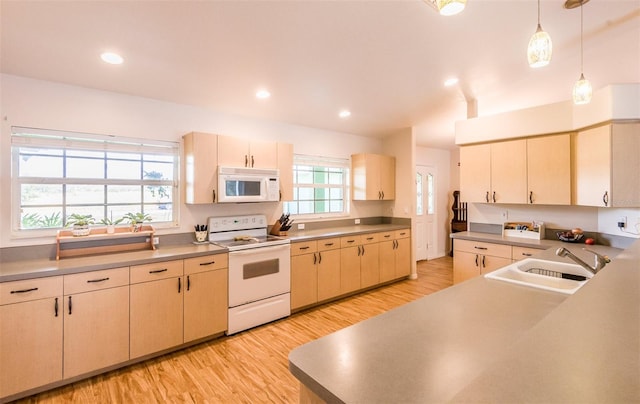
[543,274]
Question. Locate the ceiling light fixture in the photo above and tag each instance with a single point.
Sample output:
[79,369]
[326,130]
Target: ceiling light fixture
[582,90]
[451,81]
[263,94]
[447,7]
[112,58]
[540,47]
[344,113]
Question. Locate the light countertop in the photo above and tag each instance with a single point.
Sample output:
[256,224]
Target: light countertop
[484,340]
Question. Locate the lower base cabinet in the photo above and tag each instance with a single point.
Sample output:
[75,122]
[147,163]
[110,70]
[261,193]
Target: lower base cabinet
[473,258]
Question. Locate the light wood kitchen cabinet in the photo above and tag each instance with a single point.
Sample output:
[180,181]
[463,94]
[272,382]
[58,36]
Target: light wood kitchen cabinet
[329,268]
[520,253]
[373,177]
[156,307]
[475,258]
[494,172]
[304,274]
[200,181]
[205,296]
[350,252]
[285,168]
[549,170]
[370,260]
[31,330]
[238,152]
[395,254]
[607,163]
[96,320]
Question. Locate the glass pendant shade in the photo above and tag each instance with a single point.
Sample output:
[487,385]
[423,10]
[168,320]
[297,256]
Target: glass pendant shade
[540,49]
[582,91]
[450,7]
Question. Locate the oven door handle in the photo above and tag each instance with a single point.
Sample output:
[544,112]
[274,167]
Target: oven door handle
[251,251]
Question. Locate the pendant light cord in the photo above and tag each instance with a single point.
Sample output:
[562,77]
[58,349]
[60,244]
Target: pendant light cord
[581,35]
[538,12]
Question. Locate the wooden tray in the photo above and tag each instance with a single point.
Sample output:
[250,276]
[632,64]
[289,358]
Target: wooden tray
[101,242]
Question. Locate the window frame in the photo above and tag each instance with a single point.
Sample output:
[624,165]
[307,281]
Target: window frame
[22,137]
[321,161]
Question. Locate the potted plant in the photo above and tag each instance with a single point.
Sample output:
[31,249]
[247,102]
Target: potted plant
[111,224]
[80,224]
[136,220]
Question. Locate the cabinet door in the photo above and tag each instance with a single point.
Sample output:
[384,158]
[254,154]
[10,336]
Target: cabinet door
[370,265]
[350,269]
[465,266]
[387,175]
[205,304]
[329,269]
[593,166]
[30,345]
[285,167]
[96,330]
[387,259]
[403,257]
[625,150]
[263,154]
[201,168]
[156,316]
[365,177]
[549,170]
[304,280]
[475,173]
[489,263]
[509,172]
[233,151]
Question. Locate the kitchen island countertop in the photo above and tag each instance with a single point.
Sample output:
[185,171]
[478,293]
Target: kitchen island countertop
[485,340]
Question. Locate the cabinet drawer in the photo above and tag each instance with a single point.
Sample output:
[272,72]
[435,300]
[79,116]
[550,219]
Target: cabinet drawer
[479,247]
[329,244]
[350,241]
[96,280]
[370,238]
[155,271]
[30,289]
[387,236]
[404,233]
[304,247]
[520,253]
[205,263]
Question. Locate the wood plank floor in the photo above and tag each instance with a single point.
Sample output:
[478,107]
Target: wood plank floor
[249,367]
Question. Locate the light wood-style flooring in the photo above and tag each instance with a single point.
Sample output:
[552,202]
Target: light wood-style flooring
[251,366]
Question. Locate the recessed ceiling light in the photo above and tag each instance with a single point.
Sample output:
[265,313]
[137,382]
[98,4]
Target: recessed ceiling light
[344,113]
[451,81]
[262,94]
[112,58]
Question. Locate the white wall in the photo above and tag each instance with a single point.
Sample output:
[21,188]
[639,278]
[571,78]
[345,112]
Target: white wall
[41,104]
[441,161]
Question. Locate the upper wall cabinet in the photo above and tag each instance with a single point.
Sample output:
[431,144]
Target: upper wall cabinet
[201,166]
[607,163]
[494,173]
[534,171]
[237,152]
[373,177]
[285,167]
[549,170]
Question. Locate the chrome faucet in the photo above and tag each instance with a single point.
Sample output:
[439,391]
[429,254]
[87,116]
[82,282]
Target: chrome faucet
[600,260]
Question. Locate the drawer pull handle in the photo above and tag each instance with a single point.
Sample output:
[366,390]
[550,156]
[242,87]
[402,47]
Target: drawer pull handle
[207,263]
[328,244]
[305,247]
[351,241]
[179,285]
[403,233]
[55,307]
[188,283]
[70,305]
[527,254]
[315,258]
[476,259]
[479,248]
[387,235]
[97,280]
[23,290]
[483,266]
[369,238]
[319,258]
[157,271]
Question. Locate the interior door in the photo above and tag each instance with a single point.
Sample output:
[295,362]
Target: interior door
[425,212]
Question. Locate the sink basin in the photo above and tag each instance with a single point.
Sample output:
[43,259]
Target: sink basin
[542,274]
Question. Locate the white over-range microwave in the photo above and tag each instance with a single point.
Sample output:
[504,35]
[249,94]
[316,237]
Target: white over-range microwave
[238,184]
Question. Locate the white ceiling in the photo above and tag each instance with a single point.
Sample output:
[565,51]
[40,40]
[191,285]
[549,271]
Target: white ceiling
[386,61]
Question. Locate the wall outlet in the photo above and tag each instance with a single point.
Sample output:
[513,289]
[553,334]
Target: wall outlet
[156,240]
[504,215]
[622,222]
[357,221]
[300,226]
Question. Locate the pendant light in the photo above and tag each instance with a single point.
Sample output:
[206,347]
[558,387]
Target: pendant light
[582,90]
[540,47]
[450,7]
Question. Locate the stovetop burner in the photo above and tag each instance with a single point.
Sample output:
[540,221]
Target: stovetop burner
[242,232]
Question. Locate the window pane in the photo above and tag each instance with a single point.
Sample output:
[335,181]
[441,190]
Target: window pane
[47,217]
[159,212]
[419,207]
[157,194]
[85,168]
[85,194]
[85,153]
[124,194]
[304,176]
[40,166]
[335,193]
[157,171]
[305,194]
[123,170]
[40,194]
[305,207]
[430,201]
[335,178]
[336,206]
[95,211]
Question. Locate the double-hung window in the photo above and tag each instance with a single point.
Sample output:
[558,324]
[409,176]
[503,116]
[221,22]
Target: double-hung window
[320,187]
[56,174]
